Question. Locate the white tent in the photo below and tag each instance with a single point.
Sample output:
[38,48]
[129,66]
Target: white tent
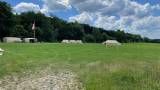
[111,42]
[12,40]
[1,51]
[65,41]
[30,40]
[72,41]
[79,41]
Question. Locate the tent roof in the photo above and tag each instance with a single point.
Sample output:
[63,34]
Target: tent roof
[1,50]
[114,42]
[111,41]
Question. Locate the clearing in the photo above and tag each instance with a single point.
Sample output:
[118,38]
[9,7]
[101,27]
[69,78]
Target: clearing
[134,66]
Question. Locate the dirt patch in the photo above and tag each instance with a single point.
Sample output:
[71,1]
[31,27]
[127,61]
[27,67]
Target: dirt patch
[42,80]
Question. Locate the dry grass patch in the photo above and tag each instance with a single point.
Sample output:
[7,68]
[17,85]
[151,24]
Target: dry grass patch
[42,80]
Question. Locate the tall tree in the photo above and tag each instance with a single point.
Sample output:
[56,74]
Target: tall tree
[89,38]
[19,31]
[43,23]
[97,35]
[6,19]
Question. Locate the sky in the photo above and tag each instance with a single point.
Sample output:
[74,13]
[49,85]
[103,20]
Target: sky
[133,16]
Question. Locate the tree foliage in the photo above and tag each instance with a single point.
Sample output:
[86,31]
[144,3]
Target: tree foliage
[6,19]
[89,38]
[19,31]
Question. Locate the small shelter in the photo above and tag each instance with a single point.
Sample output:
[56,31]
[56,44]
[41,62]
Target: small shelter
[29,40]
[12,40]
[65,41]
[72,41]
[111,42]
[79,41]
[1,51]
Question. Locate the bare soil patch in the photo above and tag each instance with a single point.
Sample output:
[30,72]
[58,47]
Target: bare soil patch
[42,80]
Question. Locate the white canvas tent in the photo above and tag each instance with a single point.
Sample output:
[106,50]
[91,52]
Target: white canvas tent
[1,51]
[79,41]
[12,40]
[111,42]
[65,41]
[29,40]
[72,41]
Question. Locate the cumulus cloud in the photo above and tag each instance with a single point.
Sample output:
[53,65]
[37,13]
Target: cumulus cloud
[55,5]
[84,17]
[107,22]
[150,22]
[24,7]
[129,15]
[49,6]
[114,7]
[148,26]
[88,5]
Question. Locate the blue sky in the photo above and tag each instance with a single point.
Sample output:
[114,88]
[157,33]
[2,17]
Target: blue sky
[61,14]
[133,16]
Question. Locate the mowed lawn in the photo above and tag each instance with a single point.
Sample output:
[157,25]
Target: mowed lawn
[127,67]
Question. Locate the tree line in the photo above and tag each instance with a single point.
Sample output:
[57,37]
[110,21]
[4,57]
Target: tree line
[54,29]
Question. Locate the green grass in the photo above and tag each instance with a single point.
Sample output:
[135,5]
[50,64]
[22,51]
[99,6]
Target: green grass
[126,67]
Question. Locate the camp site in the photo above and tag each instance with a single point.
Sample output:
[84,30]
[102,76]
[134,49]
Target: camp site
[79,45]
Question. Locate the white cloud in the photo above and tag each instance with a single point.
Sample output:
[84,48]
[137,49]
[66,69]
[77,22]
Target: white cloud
[55,5]
[114,7]
[107,22]
[120,14]
[88,5]
[148,26]
[84,17]
[24,7]
[150,22]
[44,10]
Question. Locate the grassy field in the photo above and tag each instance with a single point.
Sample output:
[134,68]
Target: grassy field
[126,67]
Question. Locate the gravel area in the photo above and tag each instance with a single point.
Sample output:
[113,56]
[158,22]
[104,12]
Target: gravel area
[42,80]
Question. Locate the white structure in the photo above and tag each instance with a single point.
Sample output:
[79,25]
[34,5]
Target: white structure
[29,40]
[111,42]
[79,41]
[12,40]
[65,41]
[1,51]
[72,41]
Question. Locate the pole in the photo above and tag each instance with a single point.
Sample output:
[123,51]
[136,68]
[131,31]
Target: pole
[33,28]
[34,33]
